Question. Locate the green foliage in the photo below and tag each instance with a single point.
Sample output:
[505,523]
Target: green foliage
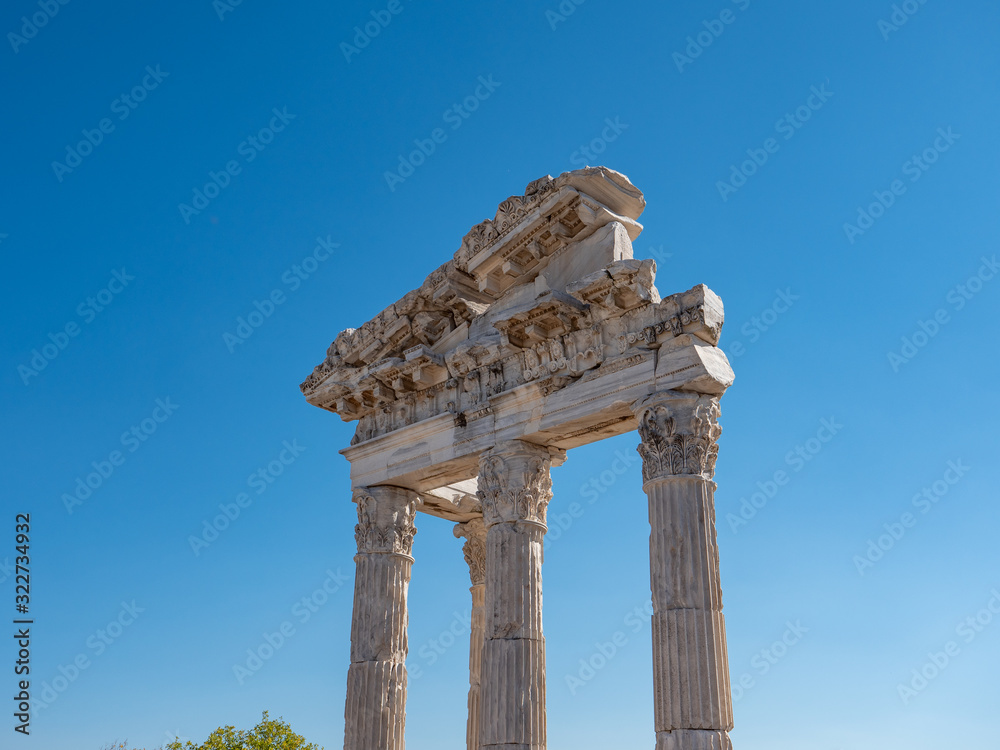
[268,735]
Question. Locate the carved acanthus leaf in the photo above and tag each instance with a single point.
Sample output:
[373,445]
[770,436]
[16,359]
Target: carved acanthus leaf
[474,549]
[514,483]
[670,449]
[385,520]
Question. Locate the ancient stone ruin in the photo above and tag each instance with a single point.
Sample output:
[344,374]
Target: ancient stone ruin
[542,333]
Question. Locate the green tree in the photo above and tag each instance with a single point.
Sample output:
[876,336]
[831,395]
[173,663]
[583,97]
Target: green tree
[268,735]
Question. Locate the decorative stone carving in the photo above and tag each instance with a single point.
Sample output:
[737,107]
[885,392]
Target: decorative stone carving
[528,229]
[514,483]
[679,437]
[541,333]
[474,549]
[375,709]
[514,488]
[692,703]
[543,290]
[385,527]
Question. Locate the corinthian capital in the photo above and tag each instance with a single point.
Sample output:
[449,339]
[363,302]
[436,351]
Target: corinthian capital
[385,520]
[679,433]
[514,482]
[474,532]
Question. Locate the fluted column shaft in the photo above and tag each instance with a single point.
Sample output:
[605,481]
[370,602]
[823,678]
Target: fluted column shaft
[474,548]
[692,699]
[515,489]
[375,713]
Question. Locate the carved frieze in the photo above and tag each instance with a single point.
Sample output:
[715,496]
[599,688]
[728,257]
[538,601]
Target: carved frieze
[453,345]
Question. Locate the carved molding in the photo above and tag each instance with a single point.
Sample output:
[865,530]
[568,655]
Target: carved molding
[514,483]
[679,433]
[474,549]
[562,296]
[386,518]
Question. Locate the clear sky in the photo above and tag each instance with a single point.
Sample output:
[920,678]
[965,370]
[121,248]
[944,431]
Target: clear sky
[145,212]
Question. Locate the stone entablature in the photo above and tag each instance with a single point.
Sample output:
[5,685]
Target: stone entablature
[571,301]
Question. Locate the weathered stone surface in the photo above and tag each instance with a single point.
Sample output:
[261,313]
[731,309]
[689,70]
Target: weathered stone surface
[375,711]
[545,293]
[690,664]
[542,333]
[474,549]
[515,489]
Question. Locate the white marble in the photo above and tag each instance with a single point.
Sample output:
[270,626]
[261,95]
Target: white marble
[540,334]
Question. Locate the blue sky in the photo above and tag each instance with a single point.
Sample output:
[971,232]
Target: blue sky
[869,348]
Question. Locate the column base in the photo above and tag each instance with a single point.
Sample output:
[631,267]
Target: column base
[693,739]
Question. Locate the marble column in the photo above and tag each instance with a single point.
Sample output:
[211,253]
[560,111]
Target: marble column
[692,701]
[474,532]
[375,715]
[515,489]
